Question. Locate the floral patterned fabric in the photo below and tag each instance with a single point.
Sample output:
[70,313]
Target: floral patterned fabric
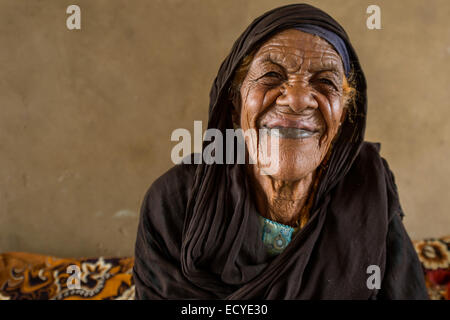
[40,277]
[435,257]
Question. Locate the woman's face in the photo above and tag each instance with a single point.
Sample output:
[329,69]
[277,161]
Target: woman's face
[294,84]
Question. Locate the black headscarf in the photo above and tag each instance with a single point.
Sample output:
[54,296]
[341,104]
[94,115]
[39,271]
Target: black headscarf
[199,237]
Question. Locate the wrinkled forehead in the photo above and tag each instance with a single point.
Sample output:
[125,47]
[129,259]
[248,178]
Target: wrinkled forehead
[295,49]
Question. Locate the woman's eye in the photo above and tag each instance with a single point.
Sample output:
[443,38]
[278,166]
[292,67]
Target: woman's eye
[273,74]
[271,78]
[327,82]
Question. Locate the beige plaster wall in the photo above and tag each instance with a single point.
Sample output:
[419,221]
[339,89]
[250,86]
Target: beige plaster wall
[86,115]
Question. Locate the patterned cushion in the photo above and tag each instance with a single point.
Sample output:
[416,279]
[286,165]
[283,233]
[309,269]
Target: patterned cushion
[434,253]
[33,276]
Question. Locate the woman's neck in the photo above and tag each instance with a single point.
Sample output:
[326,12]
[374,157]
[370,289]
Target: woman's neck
[281,201]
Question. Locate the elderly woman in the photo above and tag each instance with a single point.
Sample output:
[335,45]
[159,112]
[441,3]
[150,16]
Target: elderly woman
[321,224]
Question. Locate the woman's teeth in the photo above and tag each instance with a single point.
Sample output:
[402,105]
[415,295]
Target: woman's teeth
[289,133]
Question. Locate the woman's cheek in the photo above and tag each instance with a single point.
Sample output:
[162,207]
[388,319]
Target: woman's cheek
[270,97]
[252,105]
[336,114]
[325,110]
[331,110]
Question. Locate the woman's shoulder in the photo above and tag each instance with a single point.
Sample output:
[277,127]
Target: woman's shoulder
[174,185]
[369,159]
[167,196]
[370,149]
[374,165]
[370,155]
[163,210]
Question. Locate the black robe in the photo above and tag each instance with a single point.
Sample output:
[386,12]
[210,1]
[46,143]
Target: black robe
[199,237]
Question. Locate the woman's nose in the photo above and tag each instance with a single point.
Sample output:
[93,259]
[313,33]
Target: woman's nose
[298,96]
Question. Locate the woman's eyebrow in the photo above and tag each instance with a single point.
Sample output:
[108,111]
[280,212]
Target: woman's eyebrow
[329,65]
[268,60]
[331,70]
[314,68]
[320,69]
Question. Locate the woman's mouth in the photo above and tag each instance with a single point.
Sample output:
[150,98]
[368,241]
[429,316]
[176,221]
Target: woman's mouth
[297,128]
[288,132]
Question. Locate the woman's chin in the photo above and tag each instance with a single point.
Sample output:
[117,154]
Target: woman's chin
[287,170]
